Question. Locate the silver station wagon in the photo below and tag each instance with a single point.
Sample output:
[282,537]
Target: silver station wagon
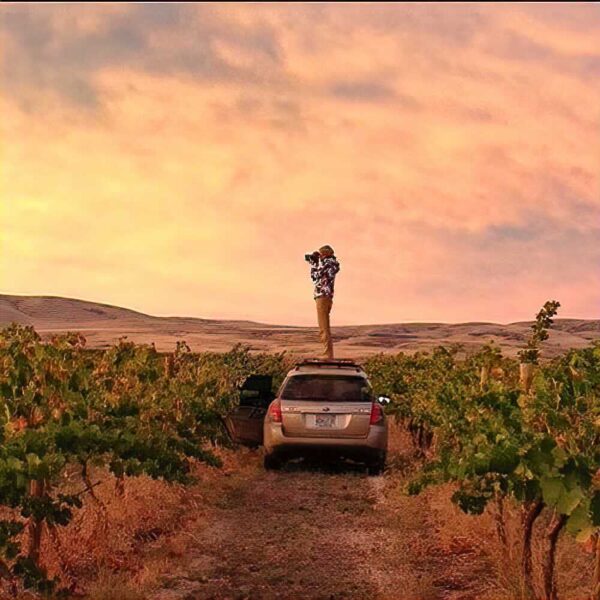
[324,408]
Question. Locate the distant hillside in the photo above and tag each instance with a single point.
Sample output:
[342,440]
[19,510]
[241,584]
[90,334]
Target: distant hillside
[103,324]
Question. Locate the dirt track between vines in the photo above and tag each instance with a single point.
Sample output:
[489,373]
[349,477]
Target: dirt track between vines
[309,533]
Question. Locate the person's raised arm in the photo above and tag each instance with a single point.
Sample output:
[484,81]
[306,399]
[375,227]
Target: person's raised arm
[316,268]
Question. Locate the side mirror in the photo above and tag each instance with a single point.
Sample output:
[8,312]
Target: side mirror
[383,400]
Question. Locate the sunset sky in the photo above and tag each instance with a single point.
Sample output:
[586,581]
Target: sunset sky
[180,159]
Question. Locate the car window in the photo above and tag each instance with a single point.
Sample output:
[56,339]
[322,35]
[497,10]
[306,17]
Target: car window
[336,388]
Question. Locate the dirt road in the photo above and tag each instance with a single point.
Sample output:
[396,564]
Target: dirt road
[308,533]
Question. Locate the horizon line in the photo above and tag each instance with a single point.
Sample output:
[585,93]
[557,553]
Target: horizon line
[232,320]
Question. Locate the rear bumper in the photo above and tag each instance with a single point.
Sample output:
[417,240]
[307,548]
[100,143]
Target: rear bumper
[370,447]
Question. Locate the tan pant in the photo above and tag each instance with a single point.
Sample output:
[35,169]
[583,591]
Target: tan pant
[324,304]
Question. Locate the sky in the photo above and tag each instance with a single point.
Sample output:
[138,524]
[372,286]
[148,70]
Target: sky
[180,159]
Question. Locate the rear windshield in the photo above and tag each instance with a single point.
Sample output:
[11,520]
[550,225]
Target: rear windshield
[342,388]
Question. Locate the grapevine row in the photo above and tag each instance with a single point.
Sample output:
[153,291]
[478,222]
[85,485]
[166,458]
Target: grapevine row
[128,409]
[501,430]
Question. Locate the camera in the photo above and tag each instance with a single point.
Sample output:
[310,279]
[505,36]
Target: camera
[312,257]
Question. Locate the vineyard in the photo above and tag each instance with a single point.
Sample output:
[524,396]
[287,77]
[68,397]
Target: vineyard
[508,435]
[127,409]
[505,431]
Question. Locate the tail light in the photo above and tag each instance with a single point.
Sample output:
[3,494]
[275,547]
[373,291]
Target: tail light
[376,414]
[275,411]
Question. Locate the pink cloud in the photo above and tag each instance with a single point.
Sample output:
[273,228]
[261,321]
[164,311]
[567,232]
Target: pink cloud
[186,156]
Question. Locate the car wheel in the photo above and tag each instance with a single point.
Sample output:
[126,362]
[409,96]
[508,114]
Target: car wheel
[377,467]
[272,463]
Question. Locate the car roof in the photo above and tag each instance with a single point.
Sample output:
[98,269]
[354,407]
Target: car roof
[327,367]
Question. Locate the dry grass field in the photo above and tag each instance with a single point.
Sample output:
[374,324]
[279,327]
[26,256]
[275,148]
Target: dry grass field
[103,325]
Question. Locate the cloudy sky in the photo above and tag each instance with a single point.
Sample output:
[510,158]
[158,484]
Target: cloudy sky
[181,159]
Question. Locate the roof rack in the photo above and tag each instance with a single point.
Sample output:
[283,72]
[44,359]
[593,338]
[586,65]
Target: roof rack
[317,362]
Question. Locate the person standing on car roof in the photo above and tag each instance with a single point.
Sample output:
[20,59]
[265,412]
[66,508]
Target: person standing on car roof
[324,266]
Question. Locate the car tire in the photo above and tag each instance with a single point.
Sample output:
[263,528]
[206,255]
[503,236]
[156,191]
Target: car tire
[377,467]
[272,463]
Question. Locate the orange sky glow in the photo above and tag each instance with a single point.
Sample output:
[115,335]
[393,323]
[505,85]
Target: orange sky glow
[180,159]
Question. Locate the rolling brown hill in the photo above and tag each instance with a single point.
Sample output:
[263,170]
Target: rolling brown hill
[103,324]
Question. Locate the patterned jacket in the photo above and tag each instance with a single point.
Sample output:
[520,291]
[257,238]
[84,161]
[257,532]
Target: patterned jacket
[323,276]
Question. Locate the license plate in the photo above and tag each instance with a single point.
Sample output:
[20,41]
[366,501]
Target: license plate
[324,421]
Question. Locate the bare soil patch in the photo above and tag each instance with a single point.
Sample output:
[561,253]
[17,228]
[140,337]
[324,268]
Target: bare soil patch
[311,533]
